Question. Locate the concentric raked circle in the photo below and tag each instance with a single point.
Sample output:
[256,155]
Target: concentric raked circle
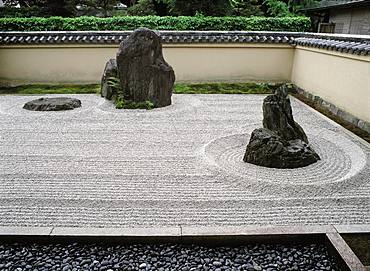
[340,160]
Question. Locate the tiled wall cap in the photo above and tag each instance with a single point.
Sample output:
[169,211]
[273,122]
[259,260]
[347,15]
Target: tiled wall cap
[358,48]
[353,44]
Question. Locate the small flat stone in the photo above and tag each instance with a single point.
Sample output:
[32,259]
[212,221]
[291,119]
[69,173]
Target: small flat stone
[52,104]
[217,263]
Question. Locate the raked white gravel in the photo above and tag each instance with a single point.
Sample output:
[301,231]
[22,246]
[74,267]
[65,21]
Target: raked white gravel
[97,166]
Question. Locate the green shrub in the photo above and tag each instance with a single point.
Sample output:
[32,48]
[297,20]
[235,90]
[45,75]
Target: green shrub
[297,24]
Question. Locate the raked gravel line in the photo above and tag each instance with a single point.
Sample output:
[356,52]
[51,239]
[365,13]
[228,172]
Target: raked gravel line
[96,166]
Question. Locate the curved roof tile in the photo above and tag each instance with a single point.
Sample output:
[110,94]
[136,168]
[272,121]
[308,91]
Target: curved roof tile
[343,43]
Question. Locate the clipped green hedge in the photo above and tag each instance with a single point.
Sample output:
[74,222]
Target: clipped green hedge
[297,24]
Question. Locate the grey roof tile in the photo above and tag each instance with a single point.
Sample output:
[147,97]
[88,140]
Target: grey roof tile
[347,44]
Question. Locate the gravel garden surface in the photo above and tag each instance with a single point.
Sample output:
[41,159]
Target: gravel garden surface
[97,166]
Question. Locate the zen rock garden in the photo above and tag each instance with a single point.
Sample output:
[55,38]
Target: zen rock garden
[52,104]
[281,143]
[139,71]
[139,74]
[172,168]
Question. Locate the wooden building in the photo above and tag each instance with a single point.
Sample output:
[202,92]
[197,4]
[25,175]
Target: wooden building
[345,17]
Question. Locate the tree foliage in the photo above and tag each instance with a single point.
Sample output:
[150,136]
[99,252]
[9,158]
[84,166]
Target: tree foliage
[246,7]
[142,8]
[204,7]
[88,7]
[47,7]
[67,8]
[24,3]
[105,8]
[279,8]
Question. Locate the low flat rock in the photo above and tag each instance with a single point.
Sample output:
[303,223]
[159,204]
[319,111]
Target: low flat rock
[53,104]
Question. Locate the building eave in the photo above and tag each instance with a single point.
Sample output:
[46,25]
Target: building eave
[338,5]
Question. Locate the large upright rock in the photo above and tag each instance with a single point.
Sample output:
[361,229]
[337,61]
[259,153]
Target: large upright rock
[278,116]
[143,73]
[282,143]
[110,73]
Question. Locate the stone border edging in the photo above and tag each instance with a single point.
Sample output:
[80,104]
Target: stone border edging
[335,110]
[346,255]
[352,44]
[181,231]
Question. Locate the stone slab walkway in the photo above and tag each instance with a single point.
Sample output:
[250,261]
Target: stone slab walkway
[182,165]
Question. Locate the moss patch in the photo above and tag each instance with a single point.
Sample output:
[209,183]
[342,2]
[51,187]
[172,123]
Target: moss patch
[123,104]
[224,88]
[51,89]
[349,126]
[196,88]
[360,244]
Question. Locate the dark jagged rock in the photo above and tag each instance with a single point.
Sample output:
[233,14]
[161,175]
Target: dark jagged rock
[53,104]
[110,72]
[282,143]
[143,73]
[278,116]
[267,149]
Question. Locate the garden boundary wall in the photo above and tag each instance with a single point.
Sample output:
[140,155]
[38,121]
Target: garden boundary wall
[330,68]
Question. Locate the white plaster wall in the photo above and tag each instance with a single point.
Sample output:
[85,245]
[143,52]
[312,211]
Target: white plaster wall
[27,65]
[341,79]
[76,64]
[231,63]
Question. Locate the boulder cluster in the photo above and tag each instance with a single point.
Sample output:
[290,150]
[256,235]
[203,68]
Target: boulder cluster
[281,143]
[139,73]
